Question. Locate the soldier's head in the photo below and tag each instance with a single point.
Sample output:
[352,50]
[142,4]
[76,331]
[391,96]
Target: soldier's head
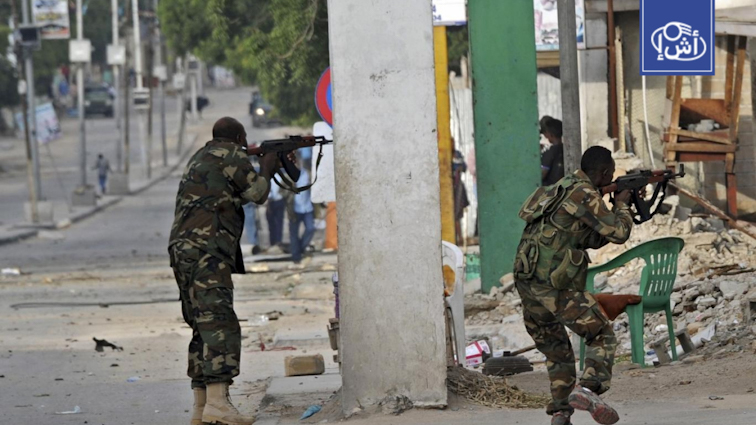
[598,165]
[231,129]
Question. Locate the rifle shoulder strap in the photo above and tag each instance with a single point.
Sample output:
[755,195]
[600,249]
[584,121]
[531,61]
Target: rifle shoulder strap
[292,186]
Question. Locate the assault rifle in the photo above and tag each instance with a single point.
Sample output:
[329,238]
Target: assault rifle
[636,182]
[283,147]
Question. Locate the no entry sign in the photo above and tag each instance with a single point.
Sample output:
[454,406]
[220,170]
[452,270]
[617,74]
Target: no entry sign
[323,100]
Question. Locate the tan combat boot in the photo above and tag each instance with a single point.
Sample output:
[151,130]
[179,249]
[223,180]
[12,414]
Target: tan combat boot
[200,395]
[220,410]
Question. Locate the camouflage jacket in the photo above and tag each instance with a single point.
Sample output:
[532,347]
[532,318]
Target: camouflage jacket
[564,220]
[217,181]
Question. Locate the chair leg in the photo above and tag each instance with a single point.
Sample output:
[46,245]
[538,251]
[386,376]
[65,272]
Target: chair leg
[671,328]
[635,313]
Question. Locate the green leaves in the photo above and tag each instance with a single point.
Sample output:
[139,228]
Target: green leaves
[280,45]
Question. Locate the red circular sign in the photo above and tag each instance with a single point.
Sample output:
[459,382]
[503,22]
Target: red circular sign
[323,100]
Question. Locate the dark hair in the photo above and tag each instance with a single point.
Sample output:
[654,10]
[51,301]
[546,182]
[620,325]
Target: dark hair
[596,158]
[227,128]
[551,125]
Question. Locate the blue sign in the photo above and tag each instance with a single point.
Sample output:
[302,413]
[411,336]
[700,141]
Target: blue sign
[677,37]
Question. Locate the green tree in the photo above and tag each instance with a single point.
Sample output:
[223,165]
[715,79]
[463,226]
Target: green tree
[283,48]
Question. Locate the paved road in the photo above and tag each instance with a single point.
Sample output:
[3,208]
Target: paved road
[102,137]
[133,231]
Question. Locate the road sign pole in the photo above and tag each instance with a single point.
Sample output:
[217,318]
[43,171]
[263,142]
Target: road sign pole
[31,106]
[117,86]
[80,89]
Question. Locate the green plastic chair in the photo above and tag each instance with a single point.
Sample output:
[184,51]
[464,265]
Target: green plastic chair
[656,284]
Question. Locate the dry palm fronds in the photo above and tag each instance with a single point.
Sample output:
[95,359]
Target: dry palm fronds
[491,391]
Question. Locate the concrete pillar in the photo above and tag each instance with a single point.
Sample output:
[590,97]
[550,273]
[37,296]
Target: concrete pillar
[506,127]
[387,190]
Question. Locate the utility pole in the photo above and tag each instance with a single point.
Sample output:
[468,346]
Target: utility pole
[126,107]
[568,71]
[140,86]
[22,88]
[181,103]
[31,106]
[162,76]
[80,89]
[117,84]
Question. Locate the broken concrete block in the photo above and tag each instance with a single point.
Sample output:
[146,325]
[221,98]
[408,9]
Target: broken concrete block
[706,301]
[304,365]
[732,288]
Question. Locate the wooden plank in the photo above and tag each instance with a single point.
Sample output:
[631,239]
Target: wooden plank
[670,86]
[730,163]
[711,137]
[674,121]
[732,195]
[737,95]
[699,157]
[729,72]
[694,110]
[744,227]
[701,147]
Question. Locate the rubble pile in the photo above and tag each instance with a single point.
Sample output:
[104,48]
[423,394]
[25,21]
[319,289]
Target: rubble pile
[716,281]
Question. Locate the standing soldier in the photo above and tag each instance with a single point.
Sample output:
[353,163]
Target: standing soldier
[204,251]
[550,270]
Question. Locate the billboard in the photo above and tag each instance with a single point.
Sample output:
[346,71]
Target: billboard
[51,16]
[449,13]
[547,24]
[48,127]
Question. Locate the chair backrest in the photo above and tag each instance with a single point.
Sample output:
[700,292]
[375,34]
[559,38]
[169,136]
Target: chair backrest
[659,273]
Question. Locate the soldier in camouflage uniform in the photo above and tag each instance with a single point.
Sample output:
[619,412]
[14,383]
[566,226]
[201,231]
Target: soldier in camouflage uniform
[204,251]
[563,220]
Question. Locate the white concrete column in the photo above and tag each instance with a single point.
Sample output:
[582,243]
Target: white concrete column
[387,190]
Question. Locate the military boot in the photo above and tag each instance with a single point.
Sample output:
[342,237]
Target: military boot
[582,398]
[200,395]
[561,418]
[220,410]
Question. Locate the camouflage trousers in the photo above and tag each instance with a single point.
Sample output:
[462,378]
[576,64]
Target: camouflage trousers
[206,291]
[547,311]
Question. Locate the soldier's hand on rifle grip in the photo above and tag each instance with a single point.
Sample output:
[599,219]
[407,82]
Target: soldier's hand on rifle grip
[623,197]
[269,163]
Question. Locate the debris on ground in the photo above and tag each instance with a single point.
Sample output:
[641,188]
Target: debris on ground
[304,365]
[76,410]
[101,344]
[716,282]
[11,271]
[133,379]
[310,411]
[491,391]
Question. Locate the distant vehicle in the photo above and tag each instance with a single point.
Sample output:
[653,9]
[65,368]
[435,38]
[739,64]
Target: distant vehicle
[261,111]
[98,100]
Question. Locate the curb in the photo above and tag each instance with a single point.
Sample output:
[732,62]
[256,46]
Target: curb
[22,234]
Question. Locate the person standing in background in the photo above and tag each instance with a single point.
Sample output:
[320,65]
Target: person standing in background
[275,215]
[552,159]
[303,212]
[103,168]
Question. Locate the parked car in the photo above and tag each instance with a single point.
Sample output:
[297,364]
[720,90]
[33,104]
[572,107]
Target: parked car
[261,111]
[98,100]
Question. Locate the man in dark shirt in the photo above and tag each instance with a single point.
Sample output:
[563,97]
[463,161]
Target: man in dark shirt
[552,160]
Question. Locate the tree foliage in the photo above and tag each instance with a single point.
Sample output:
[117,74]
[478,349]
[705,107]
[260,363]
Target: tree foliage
[280,45]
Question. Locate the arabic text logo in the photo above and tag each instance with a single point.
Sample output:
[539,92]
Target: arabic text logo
[686,42]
